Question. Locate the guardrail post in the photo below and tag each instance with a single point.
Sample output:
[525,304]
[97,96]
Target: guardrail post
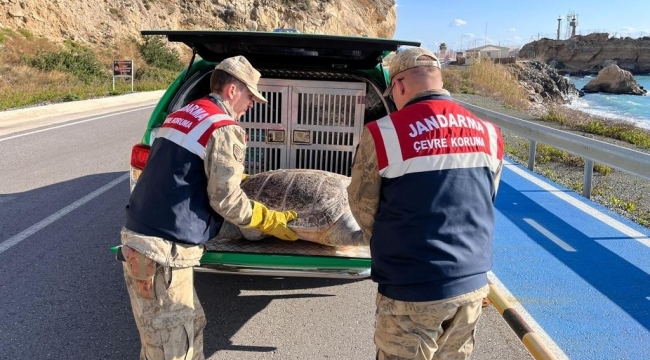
[587,179]
[531,155]
[526,334]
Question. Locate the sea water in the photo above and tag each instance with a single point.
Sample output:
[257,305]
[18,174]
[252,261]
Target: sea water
[631,108]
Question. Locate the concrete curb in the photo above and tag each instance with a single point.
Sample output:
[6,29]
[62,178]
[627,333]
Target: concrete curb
[528,337]
[12,117]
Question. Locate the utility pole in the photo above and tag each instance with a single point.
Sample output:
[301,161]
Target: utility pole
[559,21]
[485,42]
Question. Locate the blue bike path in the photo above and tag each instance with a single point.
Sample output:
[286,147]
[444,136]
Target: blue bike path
[576,271]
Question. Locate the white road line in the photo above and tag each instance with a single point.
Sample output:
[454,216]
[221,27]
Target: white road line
[636,235]
[59,214]
[6,198]
[74,123]
[549,235]
[546,339]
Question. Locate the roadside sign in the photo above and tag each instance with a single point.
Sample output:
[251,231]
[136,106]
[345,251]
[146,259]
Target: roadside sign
[123,68]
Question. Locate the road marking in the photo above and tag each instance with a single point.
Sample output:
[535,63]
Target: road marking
[549,235]
[633,234]
[74,123]
[59,214]
[546,339]
[6,198]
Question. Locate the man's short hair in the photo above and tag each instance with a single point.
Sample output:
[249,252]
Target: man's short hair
[220,78]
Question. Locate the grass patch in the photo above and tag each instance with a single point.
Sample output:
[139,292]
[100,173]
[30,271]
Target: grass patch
[554,116]
[511,150]
[5,33]
[579,121]
[26,34]
[602,169]
[550,174]
[488,79]
[545,154]
[71,72]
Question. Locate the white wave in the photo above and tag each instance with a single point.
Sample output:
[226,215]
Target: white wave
[586,107]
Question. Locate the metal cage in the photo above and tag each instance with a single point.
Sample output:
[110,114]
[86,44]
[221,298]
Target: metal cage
[305,125]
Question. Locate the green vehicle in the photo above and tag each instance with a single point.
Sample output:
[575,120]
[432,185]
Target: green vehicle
[321,89]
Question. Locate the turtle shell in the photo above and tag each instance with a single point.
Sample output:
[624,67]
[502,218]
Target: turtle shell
[319,197]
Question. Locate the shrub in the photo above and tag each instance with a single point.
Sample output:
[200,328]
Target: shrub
[155,53]
[155,75]
[75,59]
[455,81]
[554,116]
[602,169]
[71,97]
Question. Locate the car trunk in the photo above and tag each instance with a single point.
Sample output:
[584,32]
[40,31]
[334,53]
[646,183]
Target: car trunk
[319,96]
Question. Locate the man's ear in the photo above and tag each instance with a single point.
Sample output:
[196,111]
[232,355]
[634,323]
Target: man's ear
[229,91]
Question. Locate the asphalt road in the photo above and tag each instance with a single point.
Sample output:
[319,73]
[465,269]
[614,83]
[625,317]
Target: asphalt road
[62,294]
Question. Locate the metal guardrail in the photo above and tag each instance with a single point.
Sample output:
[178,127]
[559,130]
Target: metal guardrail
[624,159]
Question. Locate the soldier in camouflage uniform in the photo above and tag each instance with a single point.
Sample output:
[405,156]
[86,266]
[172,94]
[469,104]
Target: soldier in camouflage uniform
[190,185]
[423,187]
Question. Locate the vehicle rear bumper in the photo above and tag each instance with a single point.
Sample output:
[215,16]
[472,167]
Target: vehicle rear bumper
[331,273]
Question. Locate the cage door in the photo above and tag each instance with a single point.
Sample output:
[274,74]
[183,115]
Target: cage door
[267,130]
[326,122]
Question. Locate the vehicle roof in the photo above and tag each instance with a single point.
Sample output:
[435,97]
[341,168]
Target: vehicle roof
[282,49]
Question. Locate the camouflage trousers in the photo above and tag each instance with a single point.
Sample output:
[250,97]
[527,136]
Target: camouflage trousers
[442,329]
[166,309]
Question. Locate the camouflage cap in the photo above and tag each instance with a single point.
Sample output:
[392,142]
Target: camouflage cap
[407,59]
[239,67]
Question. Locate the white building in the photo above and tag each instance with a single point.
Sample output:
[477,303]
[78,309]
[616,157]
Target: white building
[487,51]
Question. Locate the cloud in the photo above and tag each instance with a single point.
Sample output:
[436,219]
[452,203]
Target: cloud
[469,35]
[512,30]
[627,28]
[458,22]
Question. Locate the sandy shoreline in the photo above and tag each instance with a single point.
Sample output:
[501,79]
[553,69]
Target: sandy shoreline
[616,190]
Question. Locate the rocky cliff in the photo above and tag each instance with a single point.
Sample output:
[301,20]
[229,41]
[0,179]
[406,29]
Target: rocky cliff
[589,54]
[543,83]
[104,22]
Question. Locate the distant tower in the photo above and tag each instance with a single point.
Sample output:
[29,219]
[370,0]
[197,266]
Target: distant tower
[572,23]
[559,22]
[443,51]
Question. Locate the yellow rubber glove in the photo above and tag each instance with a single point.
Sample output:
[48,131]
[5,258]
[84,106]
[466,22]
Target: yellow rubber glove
[273,222]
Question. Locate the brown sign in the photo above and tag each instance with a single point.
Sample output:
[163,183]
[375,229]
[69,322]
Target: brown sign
[123,68]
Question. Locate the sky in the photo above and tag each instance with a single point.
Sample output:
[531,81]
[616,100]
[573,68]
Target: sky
[463,24]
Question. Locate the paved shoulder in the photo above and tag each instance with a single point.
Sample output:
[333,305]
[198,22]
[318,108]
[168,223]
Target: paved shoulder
[28,118]
[577,270]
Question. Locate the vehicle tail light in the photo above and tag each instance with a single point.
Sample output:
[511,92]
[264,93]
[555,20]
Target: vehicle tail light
[139,156]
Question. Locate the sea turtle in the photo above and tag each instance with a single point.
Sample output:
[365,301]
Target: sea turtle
[319,197]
